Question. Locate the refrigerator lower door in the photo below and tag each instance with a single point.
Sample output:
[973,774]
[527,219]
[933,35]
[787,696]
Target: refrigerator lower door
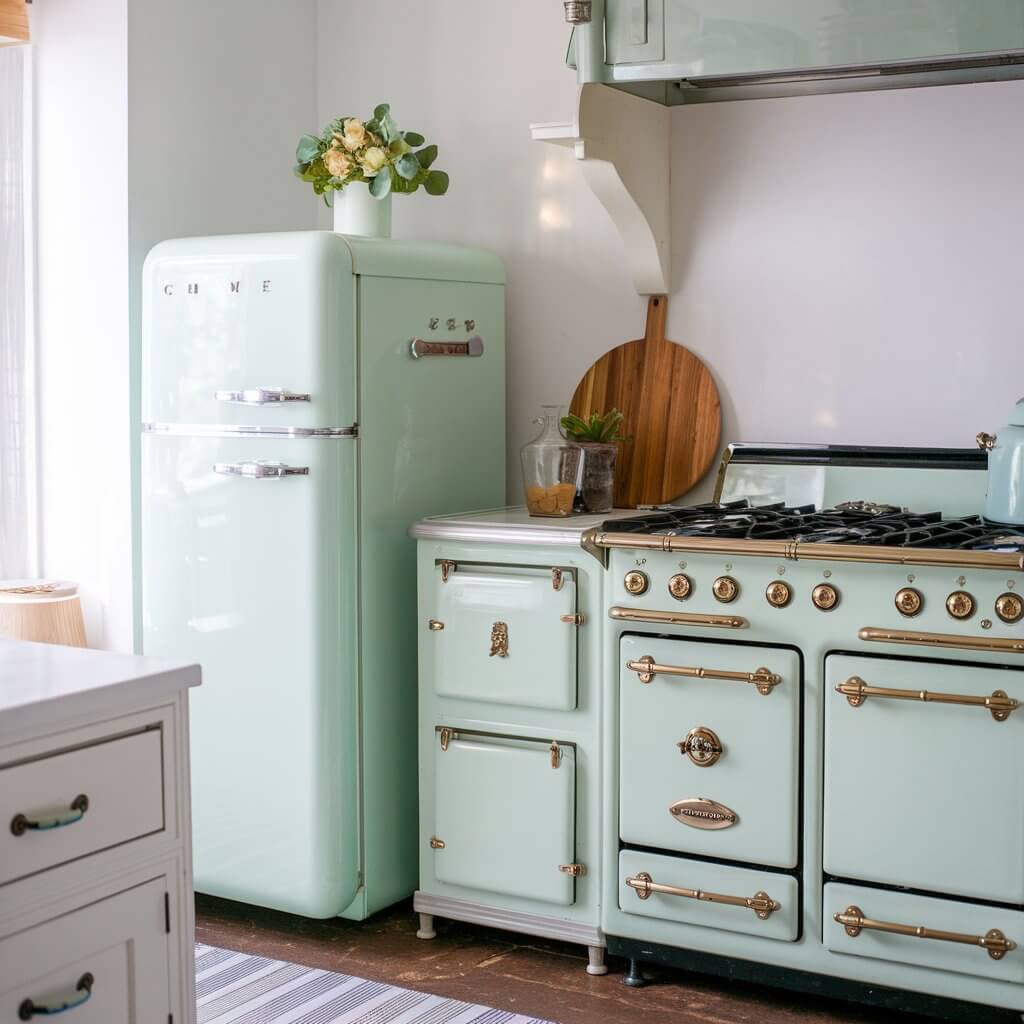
[248,567]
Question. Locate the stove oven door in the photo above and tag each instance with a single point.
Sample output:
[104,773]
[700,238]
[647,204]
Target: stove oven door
[924,795]
[504,816]
[505,634]
[710,748]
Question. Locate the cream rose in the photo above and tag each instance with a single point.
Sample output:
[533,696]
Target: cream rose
[355,134]
[373,160]
[337,162]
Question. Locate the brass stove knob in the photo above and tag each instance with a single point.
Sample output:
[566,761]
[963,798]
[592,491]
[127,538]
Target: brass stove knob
[779,594]
[680,586]
[909,601]
[960,604]
[825,597]
[725,589]
[636,582]
[1010,607]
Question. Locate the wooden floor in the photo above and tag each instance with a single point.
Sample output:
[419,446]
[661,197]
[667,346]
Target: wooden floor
[510,972]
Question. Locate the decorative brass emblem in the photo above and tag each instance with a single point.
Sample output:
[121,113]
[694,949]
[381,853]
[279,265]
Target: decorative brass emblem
[778,594]
[824,597]
[701,746]
[680,586]
[557,579]
[909,601]
[698,812]
[725,589]
[1009,607]
[447,568]
[960,604]
[499,640]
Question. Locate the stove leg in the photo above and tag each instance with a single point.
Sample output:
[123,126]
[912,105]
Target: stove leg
[596,964]
[635,978]
[426,928]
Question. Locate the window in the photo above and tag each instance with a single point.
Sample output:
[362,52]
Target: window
[17,457]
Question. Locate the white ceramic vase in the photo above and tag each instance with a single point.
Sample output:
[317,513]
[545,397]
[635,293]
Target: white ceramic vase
[356,212]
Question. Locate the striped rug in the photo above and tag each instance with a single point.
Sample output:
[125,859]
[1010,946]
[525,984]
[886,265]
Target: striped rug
[234,988]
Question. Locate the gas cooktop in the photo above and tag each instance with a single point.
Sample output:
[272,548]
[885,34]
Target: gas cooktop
[855,522]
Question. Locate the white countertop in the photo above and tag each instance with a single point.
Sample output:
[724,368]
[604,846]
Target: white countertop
[49,679]
[513,525]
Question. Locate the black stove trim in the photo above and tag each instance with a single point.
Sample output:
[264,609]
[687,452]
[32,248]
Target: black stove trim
[856,455]
[824,986]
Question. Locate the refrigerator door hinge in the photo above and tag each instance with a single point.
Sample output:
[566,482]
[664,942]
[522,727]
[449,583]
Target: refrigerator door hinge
[167,913]
[435,625]
[575,870]
[447,568]
[556,754]
[436,844]
[446,738]
[573,620]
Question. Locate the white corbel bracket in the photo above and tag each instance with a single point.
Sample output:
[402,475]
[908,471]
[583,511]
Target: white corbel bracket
[622,143]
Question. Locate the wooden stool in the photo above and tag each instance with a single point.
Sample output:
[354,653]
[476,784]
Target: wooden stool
[43,611]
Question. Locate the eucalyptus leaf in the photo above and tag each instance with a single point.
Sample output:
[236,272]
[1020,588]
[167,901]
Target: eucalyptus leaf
[381,111]
[414,138]
[381,185]
[427,156]
[408,167]
[308,149]
[436,183]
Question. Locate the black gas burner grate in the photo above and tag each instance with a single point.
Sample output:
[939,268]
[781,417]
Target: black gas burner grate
[850,523]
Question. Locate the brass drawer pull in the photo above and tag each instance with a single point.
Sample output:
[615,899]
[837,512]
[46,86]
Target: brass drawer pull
[949,640]
[28,1008]
[856,691]
[994,942]
[21,823]
[760,903]
[676,618]
[647,668]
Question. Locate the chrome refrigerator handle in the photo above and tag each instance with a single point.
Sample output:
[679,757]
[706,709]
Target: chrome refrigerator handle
[260,396]
[259,470]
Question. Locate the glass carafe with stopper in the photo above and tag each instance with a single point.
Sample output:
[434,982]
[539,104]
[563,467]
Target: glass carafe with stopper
[550,468]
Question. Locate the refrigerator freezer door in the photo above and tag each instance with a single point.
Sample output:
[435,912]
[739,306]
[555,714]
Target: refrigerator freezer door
[252,574]
[227,324]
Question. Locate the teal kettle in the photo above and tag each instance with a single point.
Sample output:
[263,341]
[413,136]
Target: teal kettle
[1004,501]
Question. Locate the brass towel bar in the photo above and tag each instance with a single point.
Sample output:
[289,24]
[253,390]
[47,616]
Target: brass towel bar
[856,691]
[994,941]
[760,903]
[647,668]
[675,618]
[1001,645]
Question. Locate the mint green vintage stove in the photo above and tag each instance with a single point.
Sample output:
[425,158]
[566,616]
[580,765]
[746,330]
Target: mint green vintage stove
[305,397]
[793,741]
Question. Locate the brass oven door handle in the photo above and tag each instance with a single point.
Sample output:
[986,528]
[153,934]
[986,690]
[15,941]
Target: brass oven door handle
[856,691]
[760,903]
[676,618]
[993,941]
[647,668]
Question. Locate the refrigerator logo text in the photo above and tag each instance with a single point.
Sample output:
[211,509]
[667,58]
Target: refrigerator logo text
[234,287]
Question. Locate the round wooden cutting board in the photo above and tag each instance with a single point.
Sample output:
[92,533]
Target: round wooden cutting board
[671,407]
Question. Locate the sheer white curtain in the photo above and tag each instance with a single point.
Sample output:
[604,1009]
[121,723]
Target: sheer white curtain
[17,470]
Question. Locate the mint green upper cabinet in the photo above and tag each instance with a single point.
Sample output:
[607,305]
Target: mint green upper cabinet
[749,37]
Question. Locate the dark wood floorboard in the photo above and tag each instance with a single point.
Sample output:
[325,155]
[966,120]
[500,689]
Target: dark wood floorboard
[510,972]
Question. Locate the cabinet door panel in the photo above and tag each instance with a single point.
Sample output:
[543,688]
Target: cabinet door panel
[505,639]
[506,817]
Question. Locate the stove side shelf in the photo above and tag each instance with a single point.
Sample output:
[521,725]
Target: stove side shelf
[611,130]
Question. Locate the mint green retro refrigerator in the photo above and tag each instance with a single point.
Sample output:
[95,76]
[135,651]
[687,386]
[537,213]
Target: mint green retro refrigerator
[305,398]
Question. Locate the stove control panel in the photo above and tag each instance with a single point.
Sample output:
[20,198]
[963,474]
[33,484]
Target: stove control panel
[680,586]
[960,604]
[1010,607]
[636,582]
[725,589]
[778,594]
[909,601]
[825,597]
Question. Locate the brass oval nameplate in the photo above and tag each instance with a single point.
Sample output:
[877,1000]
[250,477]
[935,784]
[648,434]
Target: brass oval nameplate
[701,813]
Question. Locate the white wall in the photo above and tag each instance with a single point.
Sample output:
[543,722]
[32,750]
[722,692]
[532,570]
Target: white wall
[848,266]
[156,121]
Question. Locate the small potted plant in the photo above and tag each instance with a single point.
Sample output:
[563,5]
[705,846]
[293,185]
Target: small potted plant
[599,437]
[360,164]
